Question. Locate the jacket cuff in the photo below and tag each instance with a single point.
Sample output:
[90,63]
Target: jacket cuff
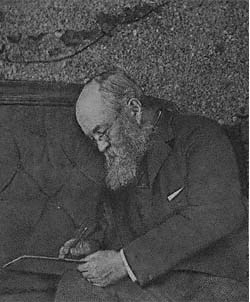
[130,272]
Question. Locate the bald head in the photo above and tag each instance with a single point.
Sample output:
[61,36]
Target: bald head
[103,98]
[90,108]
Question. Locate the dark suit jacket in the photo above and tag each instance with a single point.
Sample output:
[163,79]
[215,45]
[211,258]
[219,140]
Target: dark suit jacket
[201,228]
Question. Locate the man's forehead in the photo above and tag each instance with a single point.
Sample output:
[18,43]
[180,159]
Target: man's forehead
[91,111]
[90,96]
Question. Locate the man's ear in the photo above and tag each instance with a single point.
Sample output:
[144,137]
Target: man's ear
[135,107]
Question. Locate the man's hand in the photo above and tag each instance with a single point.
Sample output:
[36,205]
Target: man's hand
[83,248]
[103,268]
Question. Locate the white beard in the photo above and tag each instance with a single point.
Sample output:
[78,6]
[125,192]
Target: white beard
[120,171]
[124,155]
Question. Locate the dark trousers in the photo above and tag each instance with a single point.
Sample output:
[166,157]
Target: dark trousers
[24,287]
[176,287]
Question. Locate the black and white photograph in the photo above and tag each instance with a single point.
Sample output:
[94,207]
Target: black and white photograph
[124,150]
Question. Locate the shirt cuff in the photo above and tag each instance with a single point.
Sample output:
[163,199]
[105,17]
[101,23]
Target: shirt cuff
[130,273]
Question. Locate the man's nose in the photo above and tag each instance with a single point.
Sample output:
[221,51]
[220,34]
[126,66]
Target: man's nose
[102,145]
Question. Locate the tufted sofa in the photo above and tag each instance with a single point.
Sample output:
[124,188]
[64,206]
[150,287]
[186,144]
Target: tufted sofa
[50,175]
[51,178]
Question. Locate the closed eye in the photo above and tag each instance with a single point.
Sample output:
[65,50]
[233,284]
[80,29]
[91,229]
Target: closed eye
[102,134]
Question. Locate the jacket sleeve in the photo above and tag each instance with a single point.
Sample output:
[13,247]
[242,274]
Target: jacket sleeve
[213,208]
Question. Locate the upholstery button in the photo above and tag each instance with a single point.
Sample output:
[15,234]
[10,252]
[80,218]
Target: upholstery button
[73,164]
[19,166]
[58,206]
[43,134]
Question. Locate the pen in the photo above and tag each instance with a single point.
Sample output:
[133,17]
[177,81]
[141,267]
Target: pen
[80,235]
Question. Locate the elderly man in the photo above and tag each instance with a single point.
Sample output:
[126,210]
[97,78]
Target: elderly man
[172,228]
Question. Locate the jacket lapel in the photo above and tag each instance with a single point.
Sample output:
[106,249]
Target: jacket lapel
[160,148]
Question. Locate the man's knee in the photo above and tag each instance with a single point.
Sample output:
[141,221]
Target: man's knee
[74,288]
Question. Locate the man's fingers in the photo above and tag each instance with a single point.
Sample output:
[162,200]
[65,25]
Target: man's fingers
[76,251]
[81,249]
[102,284]
[83,267]
[97,278]
[69,243]
[61,252]
[98,282]
[87,275]
[64,250]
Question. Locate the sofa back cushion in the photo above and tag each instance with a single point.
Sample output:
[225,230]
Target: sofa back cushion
[51,176]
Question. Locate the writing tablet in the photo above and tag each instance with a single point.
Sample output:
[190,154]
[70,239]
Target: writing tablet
[42,264]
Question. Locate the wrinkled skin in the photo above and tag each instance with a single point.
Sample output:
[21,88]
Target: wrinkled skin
[83,248]
[103,268]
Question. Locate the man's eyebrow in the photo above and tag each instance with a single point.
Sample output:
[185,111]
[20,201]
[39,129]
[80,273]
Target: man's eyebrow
[98,127]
